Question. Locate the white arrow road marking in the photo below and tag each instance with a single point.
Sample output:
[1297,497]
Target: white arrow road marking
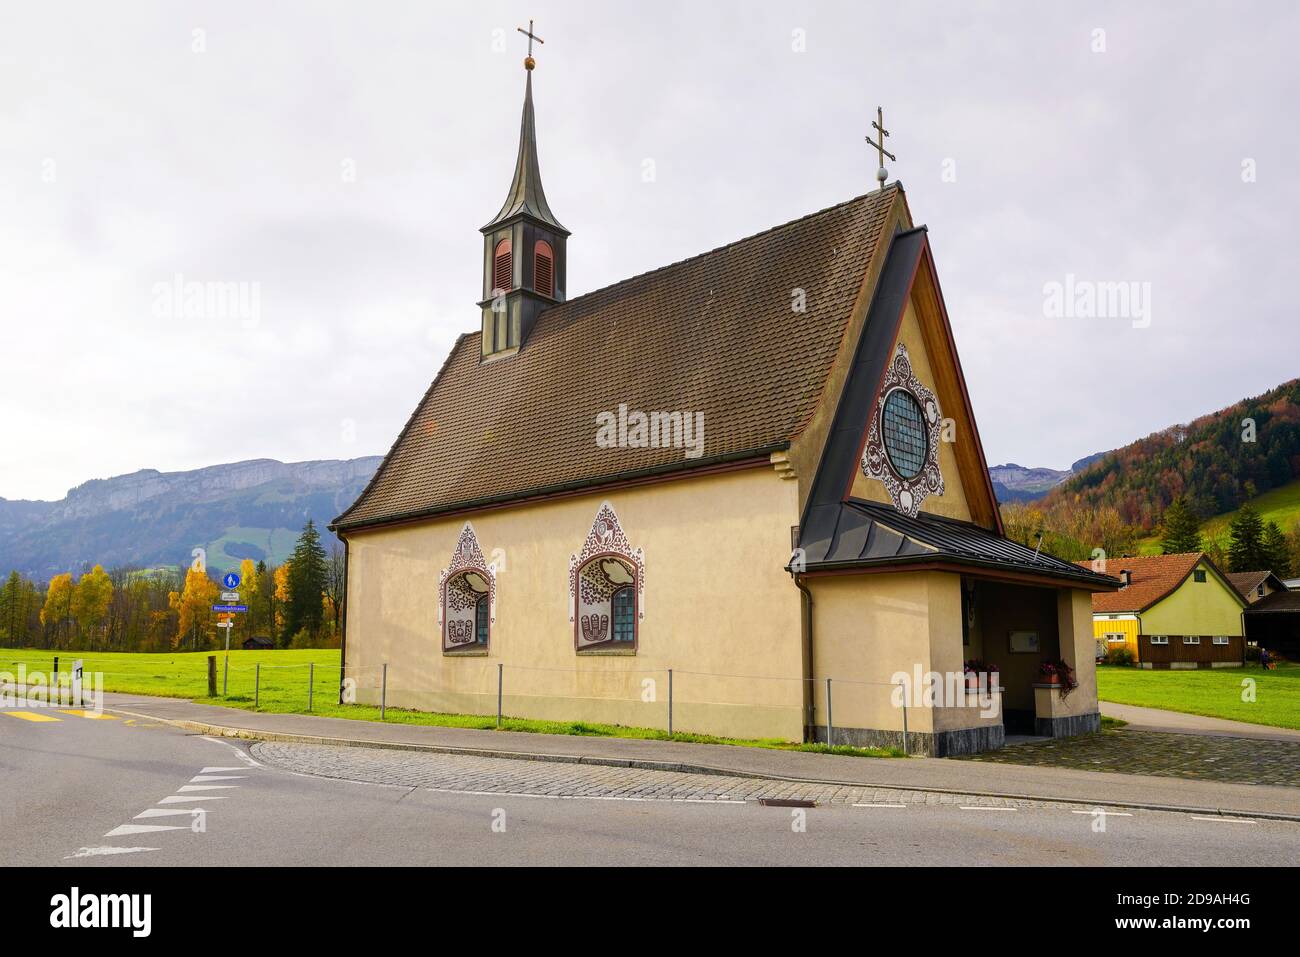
[124,829]
[207,787]
[217,777]
[186,799]
[167,812]
[239,752]
[100,851]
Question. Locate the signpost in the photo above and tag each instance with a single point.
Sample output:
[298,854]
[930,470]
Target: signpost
[76,683]
[230,599]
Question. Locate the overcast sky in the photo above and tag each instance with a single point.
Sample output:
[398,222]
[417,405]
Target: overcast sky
[339,158]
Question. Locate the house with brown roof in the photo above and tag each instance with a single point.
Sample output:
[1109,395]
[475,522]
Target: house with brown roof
[1171,611]
[1253,586]
[742,494]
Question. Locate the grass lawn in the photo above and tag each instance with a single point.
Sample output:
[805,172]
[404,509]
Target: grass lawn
[1214,692]
[282,688]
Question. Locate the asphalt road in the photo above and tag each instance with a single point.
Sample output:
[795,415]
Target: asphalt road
[84,792]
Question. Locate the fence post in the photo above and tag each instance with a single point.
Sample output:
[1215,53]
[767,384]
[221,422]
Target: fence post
[225,674]
[500,681]
[54,675]
[257,685]
[903,687]
[383,693]
[830,725]
[212,676]
[311,681]
[670,702]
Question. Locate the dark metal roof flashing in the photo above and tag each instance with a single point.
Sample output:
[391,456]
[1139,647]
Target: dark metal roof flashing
[526,196]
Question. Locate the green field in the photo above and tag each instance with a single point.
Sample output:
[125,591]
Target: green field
[281,686]
[1214,692]
[1281,505]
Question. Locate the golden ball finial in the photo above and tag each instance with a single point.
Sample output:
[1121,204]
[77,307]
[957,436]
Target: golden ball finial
[529,63]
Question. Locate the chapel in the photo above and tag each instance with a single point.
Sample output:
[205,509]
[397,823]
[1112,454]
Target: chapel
[742,494]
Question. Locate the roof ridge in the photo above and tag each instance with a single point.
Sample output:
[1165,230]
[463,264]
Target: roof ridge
[891,188]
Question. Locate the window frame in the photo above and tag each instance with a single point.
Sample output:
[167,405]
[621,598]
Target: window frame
[1221,640]
[1158,639]
[1199,576]
[1115,637]
[609,645]
[925,434]
[474,647]
[1191,639]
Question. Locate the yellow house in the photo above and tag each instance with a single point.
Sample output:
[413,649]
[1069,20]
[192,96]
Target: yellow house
[1171,611]
[742,494]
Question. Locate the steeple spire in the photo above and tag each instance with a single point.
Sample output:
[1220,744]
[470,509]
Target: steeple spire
[526,195]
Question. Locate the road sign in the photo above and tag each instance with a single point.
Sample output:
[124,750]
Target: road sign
[230,597]
[230,608]
[231,580]
[225,624]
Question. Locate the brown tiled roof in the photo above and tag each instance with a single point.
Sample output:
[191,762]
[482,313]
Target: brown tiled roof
[1153,577]
[714,334]
[1246,582]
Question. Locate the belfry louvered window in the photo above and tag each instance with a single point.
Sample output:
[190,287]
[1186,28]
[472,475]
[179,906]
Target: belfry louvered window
[544,268]
[502,273]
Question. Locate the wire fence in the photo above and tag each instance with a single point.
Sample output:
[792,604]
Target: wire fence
[603,690]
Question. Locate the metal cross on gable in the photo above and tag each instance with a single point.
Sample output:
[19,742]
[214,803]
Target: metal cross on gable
[879,143]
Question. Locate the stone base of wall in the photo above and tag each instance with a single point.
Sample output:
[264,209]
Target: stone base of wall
[941,744]
[1225,664]
[1064,727]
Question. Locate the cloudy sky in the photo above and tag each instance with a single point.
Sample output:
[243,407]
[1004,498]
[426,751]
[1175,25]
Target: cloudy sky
[338,159]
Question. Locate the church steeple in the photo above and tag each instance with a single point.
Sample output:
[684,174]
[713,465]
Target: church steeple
[523,246]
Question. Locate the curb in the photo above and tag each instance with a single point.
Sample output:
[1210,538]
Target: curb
[250,734]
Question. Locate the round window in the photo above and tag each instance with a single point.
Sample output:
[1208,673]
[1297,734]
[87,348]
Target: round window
[904,430]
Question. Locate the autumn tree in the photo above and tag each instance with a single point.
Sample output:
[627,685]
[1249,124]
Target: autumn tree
[335,583]
[1181,529]
[90,602]
[58,604]
[193,606]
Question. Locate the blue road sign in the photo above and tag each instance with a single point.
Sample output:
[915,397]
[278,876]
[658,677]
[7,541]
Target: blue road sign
[230,608]
[231,580]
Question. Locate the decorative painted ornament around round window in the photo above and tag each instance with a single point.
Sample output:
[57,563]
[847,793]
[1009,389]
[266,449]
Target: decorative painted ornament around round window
[904,429]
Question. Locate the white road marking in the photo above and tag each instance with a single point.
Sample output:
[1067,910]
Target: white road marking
[101,851]
[187,798]
[200,778]
[1225,820]
[220,770]
[239,752]
[1099,811]
[124,829]
[983,807]
[880,805]
[167,812]
[578,797]
[207,787]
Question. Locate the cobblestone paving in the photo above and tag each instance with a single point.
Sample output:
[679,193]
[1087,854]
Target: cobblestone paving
[1194,757]
[452,772]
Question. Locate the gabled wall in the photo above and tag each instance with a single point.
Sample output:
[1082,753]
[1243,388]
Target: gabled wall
[1211,607]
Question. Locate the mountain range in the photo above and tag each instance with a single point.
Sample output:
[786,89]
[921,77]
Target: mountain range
[253,509]
[1018,483]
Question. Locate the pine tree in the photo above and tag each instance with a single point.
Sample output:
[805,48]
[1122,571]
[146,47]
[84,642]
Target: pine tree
[1246,547]
[1182,529]
[307,581]
[1276,552]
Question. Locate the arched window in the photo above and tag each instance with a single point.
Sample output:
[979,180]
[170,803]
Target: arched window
[624,615]
[502,272]
[544,268]
[481,622]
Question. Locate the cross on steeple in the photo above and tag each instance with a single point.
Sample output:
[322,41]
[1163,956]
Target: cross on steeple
[879,143]
[529,62]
